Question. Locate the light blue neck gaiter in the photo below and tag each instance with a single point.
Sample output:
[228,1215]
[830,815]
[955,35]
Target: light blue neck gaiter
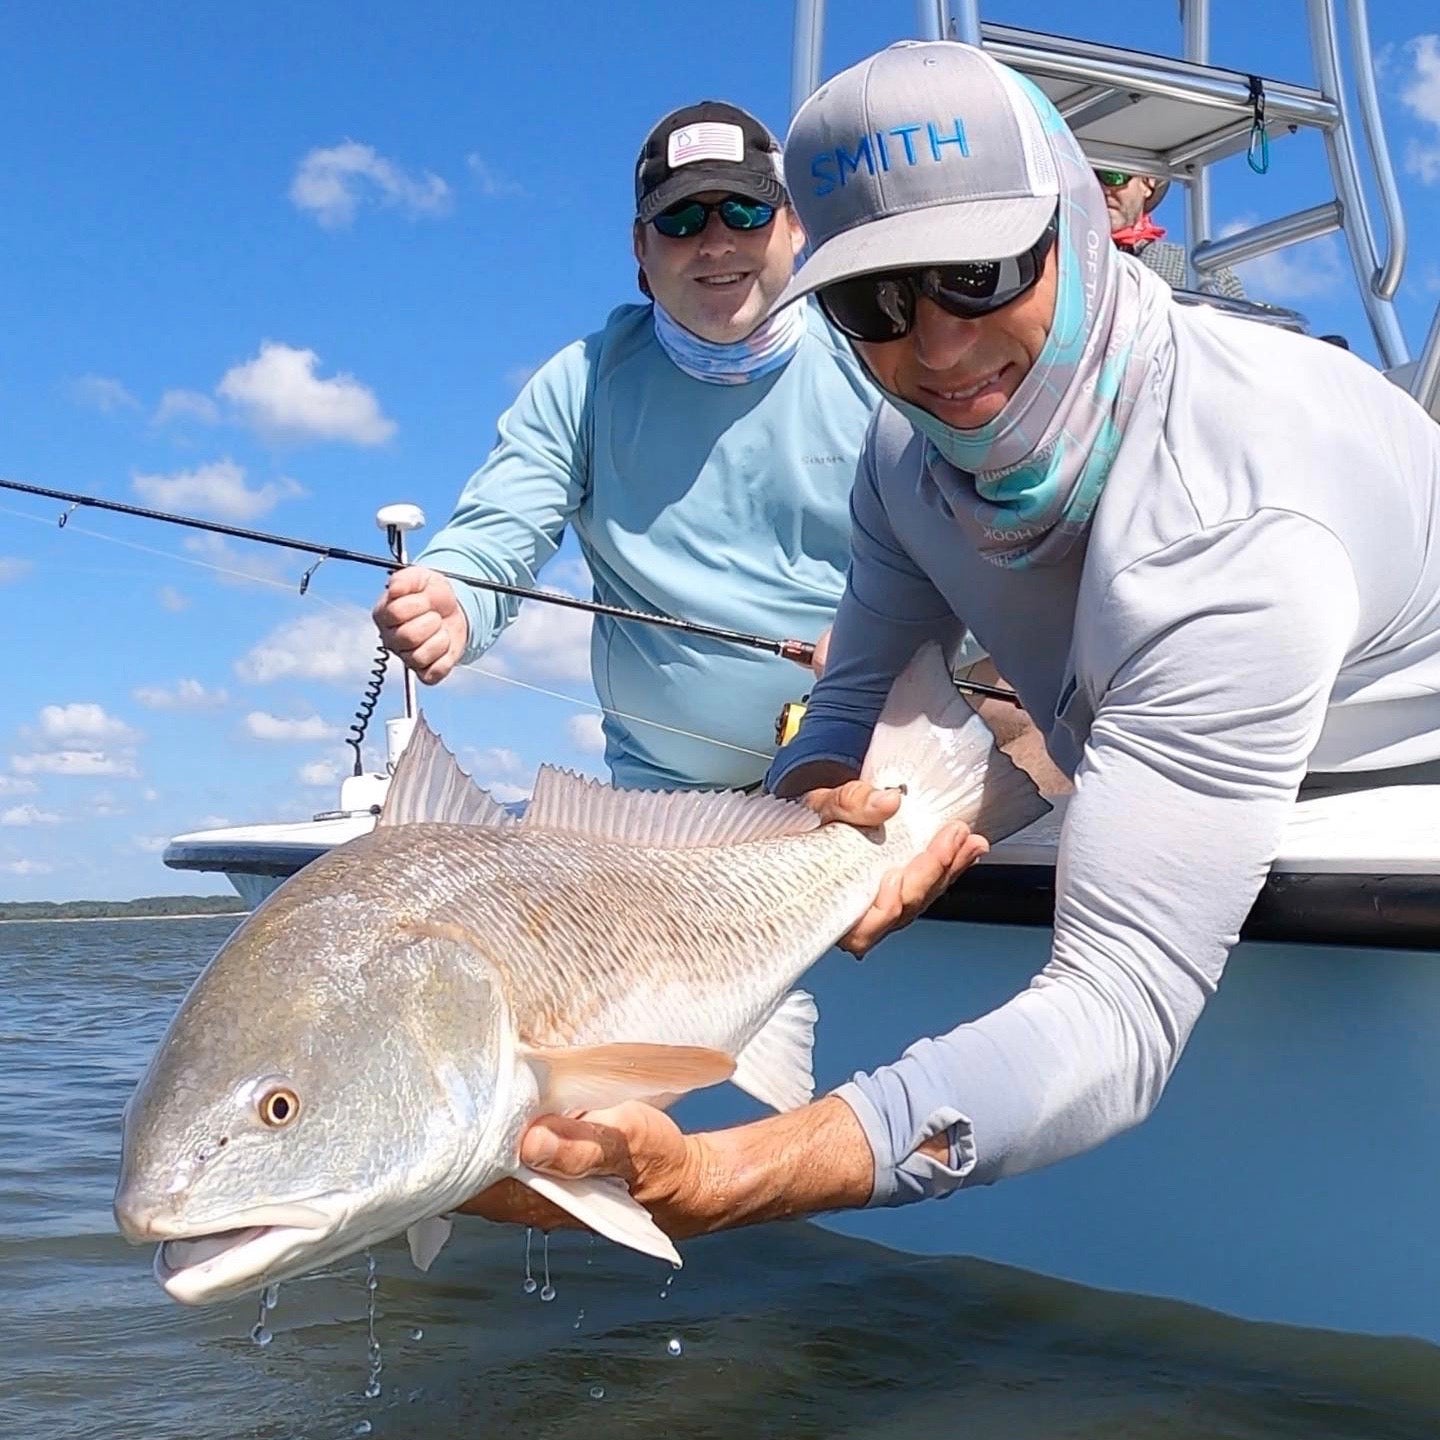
[765,349]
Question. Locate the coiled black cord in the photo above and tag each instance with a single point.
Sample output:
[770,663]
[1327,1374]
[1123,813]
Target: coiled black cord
[368,701]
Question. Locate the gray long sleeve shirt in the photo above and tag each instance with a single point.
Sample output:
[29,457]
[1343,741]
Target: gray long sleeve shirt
[1259,594]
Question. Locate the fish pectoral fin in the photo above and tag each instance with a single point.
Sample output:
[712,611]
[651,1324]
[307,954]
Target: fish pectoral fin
[775,1065]
[607,1207]
[427,1239]
[589,1077]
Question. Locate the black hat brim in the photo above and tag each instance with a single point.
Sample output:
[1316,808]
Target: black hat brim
[696,179]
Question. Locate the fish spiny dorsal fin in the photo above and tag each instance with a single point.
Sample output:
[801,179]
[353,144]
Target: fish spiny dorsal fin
[664,819]
[430,787]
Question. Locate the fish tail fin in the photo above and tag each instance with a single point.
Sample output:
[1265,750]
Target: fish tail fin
[929,741]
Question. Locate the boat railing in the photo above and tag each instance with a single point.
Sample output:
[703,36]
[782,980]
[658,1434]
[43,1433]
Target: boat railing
[1177,115]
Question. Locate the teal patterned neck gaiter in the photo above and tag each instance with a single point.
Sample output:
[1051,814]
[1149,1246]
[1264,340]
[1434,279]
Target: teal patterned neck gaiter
[1029,480]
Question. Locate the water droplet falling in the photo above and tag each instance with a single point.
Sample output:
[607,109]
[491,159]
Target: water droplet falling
[260,1333]
[372,1283]
[528,1284]
[597,1392]
[674,1347]
[417,1333]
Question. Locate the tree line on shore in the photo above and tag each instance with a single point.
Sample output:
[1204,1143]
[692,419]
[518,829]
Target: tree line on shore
[145,905]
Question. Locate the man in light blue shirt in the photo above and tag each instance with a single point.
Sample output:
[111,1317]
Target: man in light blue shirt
[703,455]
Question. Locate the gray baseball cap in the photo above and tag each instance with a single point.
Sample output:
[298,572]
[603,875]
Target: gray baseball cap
[927,153]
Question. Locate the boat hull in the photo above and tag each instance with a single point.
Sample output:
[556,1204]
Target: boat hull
[1288,1174]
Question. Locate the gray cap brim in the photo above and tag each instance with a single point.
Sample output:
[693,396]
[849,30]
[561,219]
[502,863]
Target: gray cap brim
[956,234]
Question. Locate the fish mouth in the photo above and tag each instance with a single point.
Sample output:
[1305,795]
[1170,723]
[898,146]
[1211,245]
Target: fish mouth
[202,1267]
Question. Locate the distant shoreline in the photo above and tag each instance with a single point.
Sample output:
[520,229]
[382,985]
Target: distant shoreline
[100,919]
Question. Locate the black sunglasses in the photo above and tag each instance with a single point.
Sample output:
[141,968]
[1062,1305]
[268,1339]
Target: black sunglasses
[1114,179]
[689,217]
[881,307]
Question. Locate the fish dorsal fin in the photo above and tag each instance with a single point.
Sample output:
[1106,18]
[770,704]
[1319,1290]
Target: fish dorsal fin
[430,787]
[665,819]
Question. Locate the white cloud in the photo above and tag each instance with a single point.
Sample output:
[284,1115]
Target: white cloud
[82,721]
[186,405]
[100,392]
[172,599]
[183,695]
[104,804]
[505,792]
[1420,94]
[149,844]
[11,786]
[216,489]
[1299,272]
[19,815]
[280,395]
[499,771]
[73,762]
[494,761]
[319,773]
[242,565]
[13,568]
[586,734]
[261,725]
[26,867]
[490,182]
[331,183]
[546,642]
[338,645]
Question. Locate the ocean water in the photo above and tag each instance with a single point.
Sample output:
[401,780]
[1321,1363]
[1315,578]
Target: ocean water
[784,1331]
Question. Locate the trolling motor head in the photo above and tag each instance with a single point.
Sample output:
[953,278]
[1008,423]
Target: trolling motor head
[397,521]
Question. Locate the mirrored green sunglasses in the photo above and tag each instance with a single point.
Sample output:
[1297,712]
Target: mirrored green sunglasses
[1113,179]
[689,217]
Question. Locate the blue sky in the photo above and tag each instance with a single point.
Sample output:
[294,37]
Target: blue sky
[283,266]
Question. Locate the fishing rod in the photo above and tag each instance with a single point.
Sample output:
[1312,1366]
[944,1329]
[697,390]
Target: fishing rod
[802,652]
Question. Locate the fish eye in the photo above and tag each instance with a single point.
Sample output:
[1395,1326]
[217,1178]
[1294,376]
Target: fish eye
[278,1106]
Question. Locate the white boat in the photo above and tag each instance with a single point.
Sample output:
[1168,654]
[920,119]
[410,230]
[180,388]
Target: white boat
[1290,1173]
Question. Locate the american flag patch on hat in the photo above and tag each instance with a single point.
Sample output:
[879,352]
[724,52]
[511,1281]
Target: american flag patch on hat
[707,140]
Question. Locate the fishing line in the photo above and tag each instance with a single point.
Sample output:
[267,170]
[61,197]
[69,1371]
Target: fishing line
[619,714]
[477,669]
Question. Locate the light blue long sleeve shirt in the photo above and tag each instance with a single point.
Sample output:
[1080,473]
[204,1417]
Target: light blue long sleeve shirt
[726,504]
[1258,595]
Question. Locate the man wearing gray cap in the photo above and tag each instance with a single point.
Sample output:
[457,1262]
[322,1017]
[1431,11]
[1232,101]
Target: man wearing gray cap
[1200,548]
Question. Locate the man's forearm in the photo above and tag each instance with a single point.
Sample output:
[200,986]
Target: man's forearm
[803,1162]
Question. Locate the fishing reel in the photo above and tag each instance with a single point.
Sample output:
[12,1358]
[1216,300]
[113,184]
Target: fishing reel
[787,722]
